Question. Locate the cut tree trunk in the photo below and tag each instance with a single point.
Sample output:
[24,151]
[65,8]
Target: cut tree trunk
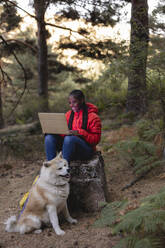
[87,185]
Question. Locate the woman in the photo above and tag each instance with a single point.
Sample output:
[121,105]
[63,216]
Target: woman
[85,131]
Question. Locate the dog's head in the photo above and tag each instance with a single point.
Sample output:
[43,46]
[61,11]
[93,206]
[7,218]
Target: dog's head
[56,170]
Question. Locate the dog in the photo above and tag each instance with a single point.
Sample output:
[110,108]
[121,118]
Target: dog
[47,198]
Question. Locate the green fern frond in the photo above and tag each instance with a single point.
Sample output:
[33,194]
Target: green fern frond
[130,223]
[109,213]
[127,242]
[158,240]
[156,200]
[143,243]
[137,242]
[140,154]
[136,147]
[134,242]
[142,170]
[143,227]
[148,129]
[151,133]
[142,161]
[144,219]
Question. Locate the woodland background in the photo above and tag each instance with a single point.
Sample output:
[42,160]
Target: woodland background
[43,61]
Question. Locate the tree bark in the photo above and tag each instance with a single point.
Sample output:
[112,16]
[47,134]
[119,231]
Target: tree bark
[88,187]
[40,8]
[137,95]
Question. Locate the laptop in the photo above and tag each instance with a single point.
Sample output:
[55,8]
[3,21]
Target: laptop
[53,123]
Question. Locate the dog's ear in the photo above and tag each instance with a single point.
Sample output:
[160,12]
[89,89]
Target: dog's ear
[46,164]
[59,155]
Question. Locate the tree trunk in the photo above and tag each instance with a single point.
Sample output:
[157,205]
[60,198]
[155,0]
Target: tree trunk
[137,95]
[40,8]
[88,187]
[17,129]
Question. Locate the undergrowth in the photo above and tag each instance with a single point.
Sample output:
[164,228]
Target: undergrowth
[143,152]
[142,227]
[140,155]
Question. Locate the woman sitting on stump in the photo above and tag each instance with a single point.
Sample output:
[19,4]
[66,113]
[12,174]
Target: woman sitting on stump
[85,131]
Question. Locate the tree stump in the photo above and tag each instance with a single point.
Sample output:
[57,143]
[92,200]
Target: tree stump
[87,184]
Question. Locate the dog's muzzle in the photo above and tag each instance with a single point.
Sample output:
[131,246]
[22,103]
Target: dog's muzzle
[67,175]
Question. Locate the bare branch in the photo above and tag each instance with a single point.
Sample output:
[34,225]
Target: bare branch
[14,4]
[24,72]
[57,26]
[33,16]
[21,42]
[4,74]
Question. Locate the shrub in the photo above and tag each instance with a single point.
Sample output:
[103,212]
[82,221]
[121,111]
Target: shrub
[140,227]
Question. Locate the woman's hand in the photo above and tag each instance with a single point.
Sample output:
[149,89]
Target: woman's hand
[74,132]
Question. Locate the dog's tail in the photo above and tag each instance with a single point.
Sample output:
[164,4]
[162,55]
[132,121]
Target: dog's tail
[11,224]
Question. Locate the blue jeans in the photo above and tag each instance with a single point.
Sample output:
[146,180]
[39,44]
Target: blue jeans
[73,147]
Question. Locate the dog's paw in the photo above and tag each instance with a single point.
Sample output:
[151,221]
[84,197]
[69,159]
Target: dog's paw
[60,232]
[72,221]
[38,231]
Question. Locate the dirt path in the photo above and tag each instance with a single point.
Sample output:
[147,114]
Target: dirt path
[16,177]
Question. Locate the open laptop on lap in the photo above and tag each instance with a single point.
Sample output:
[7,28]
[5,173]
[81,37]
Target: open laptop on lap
[53,123]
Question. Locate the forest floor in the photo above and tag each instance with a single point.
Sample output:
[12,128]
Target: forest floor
[17,174]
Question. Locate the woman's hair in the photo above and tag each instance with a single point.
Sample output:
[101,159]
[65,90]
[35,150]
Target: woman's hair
[78,94]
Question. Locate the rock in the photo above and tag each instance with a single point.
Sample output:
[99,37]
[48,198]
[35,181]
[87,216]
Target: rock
[87,184]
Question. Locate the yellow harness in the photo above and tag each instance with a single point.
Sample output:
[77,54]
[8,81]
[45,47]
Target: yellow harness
[25,196]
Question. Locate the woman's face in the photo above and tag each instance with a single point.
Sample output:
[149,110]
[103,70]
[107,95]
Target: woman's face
[75,104]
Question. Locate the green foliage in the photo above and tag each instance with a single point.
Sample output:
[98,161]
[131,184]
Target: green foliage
[97,12]
[140,152]
[155,82]
[27,111]
[109,214]
[143,219]
[141,227]
[134,242]
[141,155]
[145,225]
[110,90]
[147,130]
[99,50]
[147,222]
[22,146]
[9,17]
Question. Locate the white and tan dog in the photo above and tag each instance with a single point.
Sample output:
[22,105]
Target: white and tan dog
[48,196]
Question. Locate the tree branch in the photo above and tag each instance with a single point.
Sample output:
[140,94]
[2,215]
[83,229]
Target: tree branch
[21,42]
[24,72]
[14,4]
[33,16]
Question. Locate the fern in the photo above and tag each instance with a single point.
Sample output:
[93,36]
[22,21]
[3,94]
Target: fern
[145,219]
[157,200]
[143,227]
[109,214]
[133,241]
[140,154]
[148,129]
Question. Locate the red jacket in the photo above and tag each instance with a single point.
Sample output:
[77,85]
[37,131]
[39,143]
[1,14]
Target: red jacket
[93,133]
